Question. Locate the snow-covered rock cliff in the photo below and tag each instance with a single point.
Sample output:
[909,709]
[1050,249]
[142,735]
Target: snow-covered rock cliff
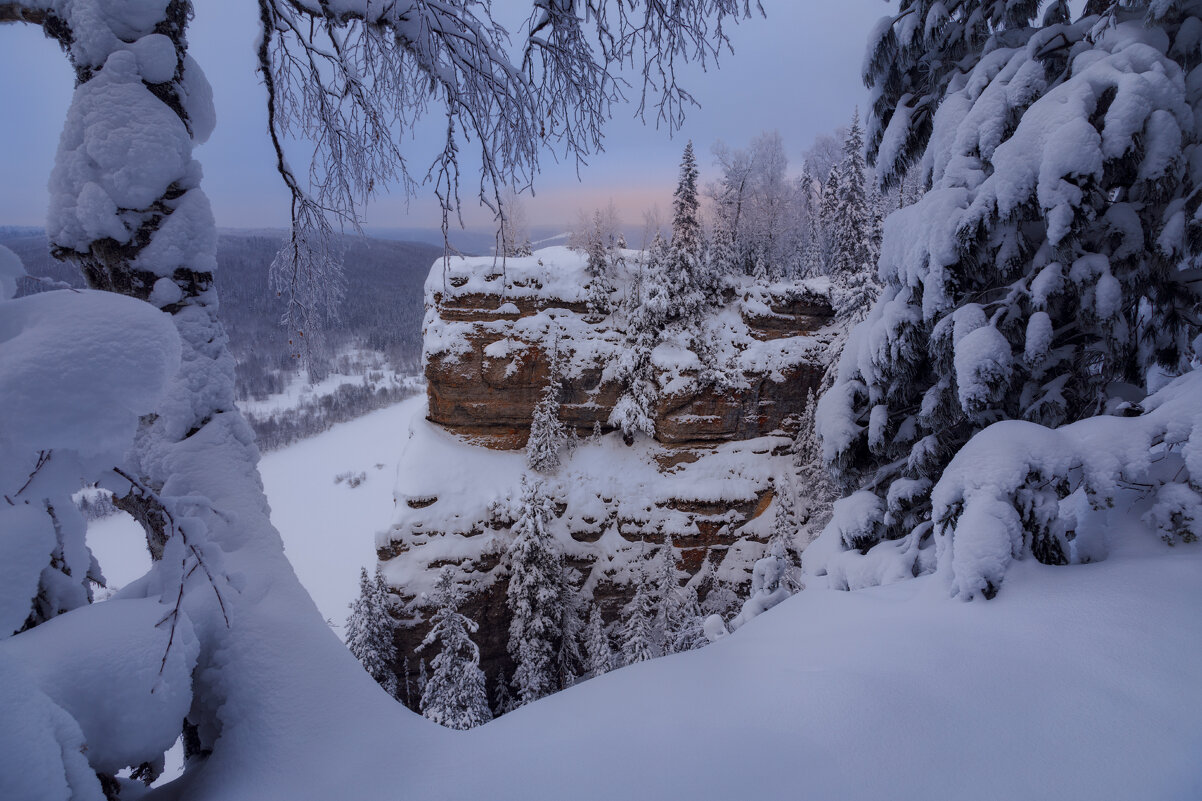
[707,478]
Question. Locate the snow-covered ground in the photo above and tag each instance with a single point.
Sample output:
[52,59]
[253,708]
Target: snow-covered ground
[329,528]
[1076,682]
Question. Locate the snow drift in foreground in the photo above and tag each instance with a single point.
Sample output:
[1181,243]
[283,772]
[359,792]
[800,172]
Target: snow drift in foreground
[1073,684]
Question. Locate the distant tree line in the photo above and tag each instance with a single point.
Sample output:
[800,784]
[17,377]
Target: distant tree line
[381,312]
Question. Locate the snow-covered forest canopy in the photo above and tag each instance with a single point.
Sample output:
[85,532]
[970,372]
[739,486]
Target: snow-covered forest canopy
[982,296]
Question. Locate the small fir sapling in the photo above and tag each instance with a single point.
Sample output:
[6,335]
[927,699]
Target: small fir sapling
[599,654]
[688,632]
[782,544]
[600,286]
[812,473]
[503,701]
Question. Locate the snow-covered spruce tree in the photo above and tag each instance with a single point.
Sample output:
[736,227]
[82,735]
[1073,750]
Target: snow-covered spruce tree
[1048,267]
[547,433]
[854,232]
[683,269]
[812,474]
[639,640]
[503,701]
[827,206]
[569,659]
[646,315]
[600,287]
[128,209]
[454,696]
[535,595]
[688,631]
[369,631]
[667,596]
[599,654]
[720,597]
[786,528]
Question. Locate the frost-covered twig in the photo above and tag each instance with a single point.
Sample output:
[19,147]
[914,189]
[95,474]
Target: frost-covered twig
[354,76]
[43,458]
[176,528]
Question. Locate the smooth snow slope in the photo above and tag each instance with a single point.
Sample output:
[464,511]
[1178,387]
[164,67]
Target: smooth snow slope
[1076,682]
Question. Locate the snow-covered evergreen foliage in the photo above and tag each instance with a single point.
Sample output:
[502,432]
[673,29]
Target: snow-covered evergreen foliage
[569,659]
[547,432]
[1019,488]
[854,227]
[818,492]
[454,696]
[1048,275]
[503,700]
[769,585]
[668,616]
[683,269]
[600,283]
[647,312]
[369,634]
[599,654]
[720,598]
[535,595]
[639,640]
[786,528]
[688,631]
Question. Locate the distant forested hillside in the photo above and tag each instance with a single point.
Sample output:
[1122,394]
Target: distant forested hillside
[378,330]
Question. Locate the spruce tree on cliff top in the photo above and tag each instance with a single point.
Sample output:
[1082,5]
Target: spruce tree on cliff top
[684,268]
[854,225]
[1050,272]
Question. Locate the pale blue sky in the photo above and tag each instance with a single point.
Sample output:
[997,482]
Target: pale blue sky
[796,71]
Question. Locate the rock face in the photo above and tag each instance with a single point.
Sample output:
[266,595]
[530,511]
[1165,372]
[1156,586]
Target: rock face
[707,479]
[488,358]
